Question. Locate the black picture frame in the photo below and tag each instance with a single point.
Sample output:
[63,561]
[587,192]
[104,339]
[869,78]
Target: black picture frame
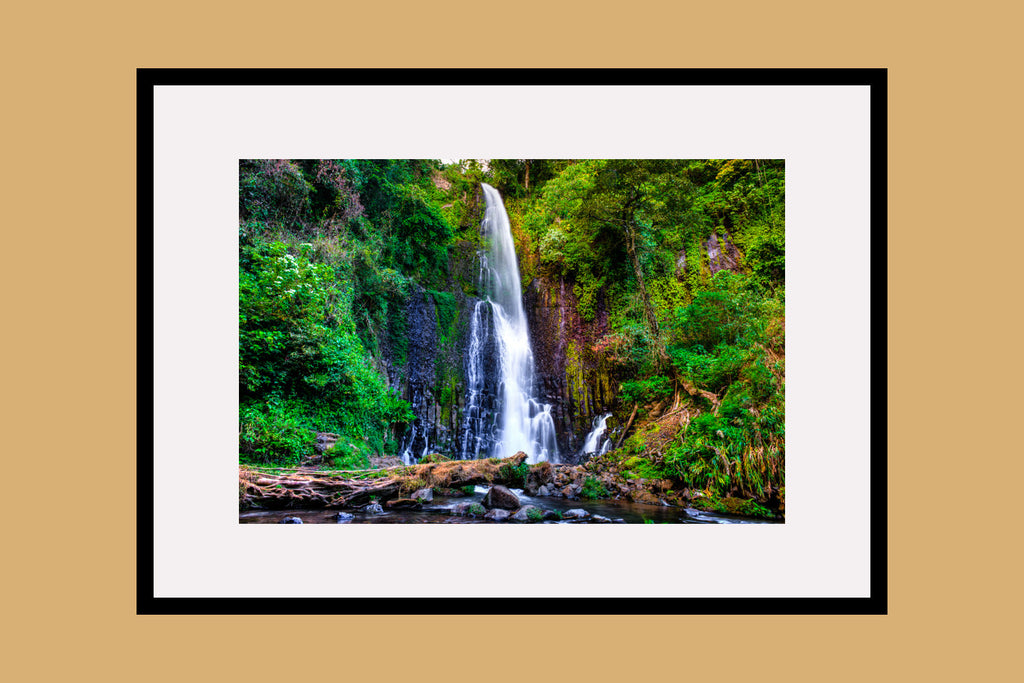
[147,80]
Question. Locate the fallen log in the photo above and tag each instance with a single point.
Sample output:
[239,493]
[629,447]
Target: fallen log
[320,490]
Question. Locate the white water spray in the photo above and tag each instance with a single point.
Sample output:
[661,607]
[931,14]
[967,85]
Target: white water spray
[594,437]
[525,423]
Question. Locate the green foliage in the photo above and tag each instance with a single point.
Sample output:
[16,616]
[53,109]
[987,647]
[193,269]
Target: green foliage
[348,456]
[732,506]
[514,475]
[313,304]
[477,509]
[644,391]
[398,198]
[534,515]
[273,433]
[593,489]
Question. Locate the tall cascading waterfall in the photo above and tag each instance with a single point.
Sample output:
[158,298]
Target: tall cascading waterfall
[519,422]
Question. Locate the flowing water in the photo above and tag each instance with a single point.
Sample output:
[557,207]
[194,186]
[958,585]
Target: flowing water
[439,512]
[519,422]
[596,434]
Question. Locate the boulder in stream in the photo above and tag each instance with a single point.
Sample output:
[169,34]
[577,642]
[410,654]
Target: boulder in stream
[500,497]
[291,520]
[497,515]
[528,513]
[426,495]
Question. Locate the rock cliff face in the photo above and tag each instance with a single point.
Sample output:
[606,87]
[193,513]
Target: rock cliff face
[431,372]
[432,376]
[722,253]
[573,376]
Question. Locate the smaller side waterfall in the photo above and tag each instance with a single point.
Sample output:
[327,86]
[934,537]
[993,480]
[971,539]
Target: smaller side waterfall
[596,434]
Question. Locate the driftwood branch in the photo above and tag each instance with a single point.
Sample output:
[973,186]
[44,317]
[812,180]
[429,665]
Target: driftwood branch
[629,423]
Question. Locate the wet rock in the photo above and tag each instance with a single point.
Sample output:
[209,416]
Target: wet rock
[575,513]
[497,515]
[600,520]
[381,462]
[551,514]
[345,518]
[722,253]
[326,440]
[500,497]
[644,497]
[373,508]
[453,493]
[460,510]
[291,520]
[528,513]
[543,490]
[538,476]
[425,495]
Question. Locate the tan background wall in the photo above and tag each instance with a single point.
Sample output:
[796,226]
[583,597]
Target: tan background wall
[68,179]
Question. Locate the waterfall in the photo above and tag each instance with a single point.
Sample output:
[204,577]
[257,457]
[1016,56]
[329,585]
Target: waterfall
[520,422]
[594,437]
[474,428]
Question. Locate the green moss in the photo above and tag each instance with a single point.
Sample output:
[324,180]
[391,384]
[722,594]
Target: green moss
[446,311]
[575,374]
[477,509]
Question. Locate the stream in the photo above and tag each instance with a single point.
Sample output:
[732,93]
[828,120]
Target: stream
[439,512]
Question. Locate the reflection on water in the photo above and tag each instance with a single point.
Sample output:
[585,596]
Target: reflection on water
[438,512]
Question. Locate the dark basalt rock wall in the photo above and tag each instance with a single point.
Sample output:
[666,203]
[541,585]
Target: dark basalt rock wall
[433,375]
[574,376]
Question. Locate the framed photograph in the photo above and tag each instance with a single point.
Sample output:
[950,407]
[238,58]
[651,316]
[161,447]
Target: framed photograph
[361,290]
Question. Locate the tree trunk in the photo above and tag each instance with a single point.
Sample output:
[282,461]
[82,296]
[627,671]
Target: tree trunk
[629,423]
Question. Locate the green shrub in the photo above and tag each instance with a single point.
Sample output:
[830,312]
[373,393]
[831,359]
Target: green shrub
[273,434]
[514,475]
[349,455]
[593,489]
[646,390]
